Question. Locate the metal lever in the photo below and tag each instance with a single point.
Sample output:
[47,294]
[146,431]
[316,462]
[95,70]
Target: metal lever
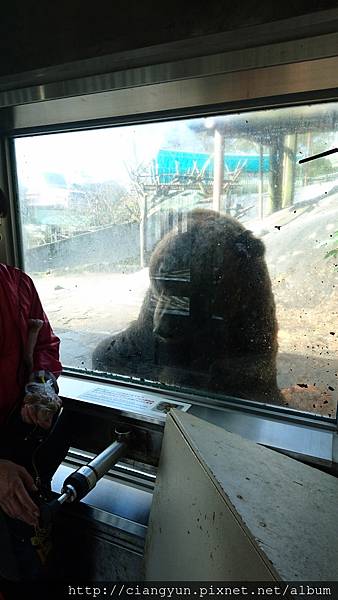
[78,484]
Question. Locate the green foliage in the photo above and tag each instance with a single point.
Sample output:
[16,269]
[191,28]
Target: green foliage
[314,143]
[320,166]
[334,252]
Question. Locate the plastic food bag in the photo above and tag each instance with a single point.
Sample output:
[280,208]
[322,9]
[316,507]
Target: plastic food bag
[40,403]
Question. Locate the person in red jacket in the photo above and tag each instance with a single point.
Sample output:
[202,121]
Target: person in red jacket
[29,367]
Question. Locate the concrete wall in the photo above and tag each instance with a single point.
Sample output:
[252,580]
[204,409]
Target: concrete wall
[112,247]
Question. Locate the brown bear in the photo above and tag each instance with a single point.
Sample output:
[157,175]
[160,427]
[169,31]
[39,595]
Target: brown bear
[208,318]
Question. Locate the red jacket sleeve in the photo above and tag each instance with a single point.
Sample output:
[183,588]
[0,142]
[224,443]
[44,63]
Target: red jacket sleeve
[46,352]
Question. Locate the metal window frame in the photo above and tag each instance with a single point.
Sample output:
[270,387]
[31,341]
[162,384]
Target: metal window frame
[285,73]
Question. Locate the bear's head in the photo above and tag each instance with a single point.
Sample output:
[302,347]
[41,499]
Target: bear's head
[198,275]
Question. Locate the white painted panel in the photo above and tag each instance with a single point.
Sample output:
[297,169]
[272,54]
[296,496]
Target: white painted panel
[227,509]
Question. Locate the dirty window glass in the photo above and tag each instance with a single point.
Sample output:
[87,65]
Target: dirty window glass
[198,253]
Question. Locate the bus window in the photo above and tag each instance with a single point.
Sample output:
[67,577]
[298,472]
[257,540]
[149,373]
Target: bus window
[195,253]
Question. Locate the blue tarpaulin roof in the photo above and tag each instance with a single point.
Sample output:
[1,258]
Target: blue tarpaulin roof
[175,161]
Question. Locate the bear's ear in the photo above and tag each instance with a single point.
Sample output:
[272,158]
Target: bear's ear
[247,246]
[201,216]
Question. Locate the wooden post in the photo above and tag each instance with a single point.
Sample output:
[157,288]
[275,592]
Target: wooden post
[218,169]
[288,186]
[143,231]
[276,173]
[261,182]
[308,153]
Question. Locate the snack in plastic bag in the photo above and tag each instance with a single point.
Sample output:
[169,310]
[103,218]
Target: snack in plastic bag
[40,403]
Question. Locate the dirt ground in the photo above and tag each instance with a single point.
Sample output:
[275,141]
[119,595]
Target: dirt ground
[307,358]
[85,308]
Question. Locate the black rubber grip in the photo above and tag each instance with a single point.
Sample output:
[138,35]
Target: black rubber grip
[79,483]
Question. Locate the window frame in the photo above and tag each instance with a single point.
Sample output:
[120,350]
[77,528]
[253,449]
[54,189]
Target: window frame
[275,76]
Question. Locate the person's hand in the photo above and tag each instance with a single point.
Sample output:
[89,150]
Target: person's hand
[39,409]
[15,485]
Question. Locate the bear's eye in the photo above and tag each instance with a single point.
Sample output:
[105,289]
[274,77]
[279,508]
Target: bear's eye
[242,249]
[218,274]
